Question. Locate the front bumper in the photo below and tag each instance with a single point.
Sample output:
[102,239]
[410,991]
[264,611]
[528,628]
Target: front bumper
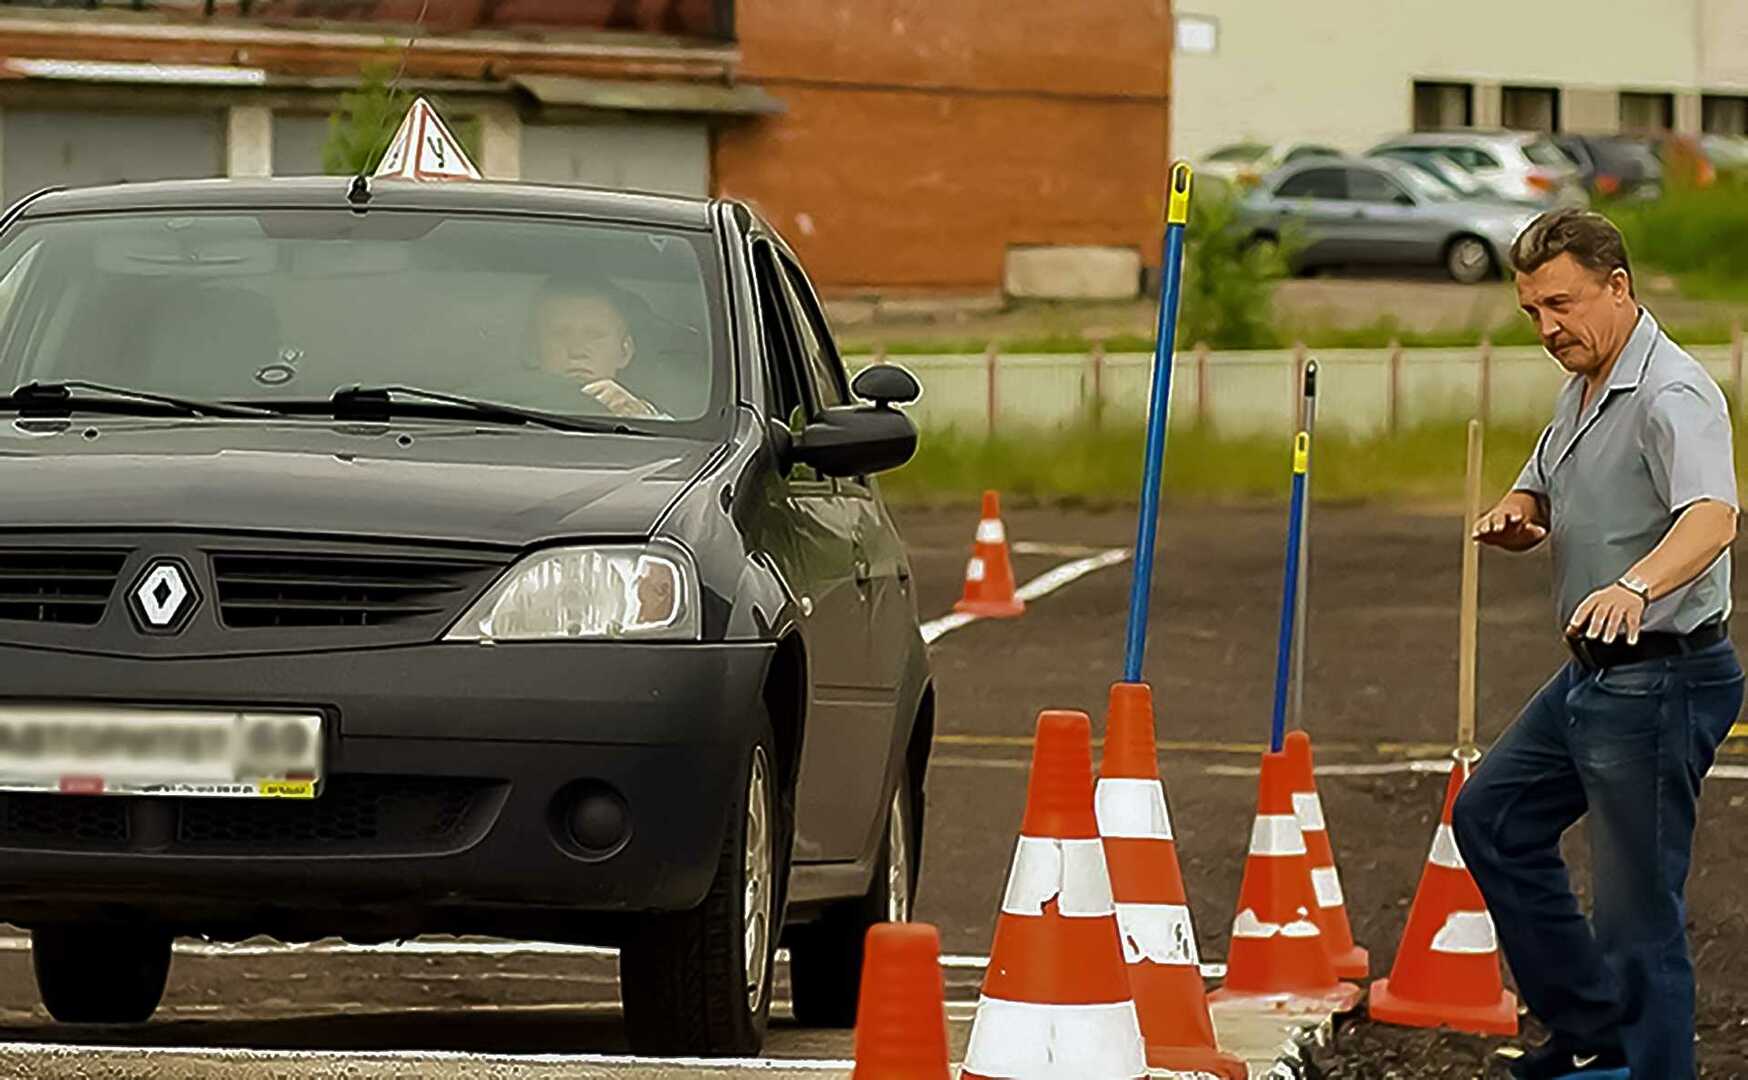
[448,777]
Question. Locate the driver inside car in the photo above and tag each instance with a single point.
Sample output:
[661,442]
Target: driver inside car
[584,337]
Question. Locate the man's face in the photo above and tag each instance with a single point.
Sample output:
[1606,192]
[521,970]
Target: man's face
[1578,312]
[583,337]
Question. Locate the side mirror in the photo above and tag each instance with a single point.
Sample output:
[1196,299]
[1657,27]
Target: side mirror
[886,385]
[857,440]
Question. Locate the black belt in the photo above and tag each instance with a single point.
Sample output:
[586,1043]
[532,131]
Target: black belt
[1594,654]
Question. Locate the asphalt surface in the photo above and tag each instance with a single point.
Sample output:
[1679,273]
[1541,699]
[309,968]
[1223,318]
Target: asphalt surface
[1381,677]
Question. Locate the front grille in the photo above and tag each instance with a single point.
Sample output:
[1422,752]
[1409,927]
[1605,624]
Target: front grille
[87,821]
[57,585]
[312,590]
[353,815]
[364,813]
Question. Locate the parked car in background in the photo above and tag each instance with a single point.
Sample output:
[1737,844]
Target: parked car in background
[1441,168]
[1728,153]
[1615,166]
[1374,211]
[1524,167]
[1244,164]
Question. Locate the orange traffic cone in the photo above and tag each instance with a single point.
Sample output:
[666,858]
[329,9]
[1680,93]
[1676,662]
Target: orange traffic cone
[1153,914]
[1349,960]
[901,1018]
[1056,1003]
[1447,968]
[989,576]
[1277,956]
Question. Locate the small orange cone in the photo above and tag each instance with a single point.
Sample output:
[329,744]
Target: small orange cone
[1056,1003]
[901,1018]
[1153,914]
[1349,960]
[989,576]
[1277,956]
[1447,968]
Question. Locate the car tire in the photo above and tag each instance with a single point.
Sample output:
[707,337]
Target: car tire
[1469,261]
[699,982]
[94,974]
[825,958]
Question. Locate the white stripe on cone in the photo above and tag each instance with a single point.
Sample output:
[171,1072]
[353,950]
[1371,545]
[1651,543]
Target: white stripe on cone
[1247,925]
[1157,934]
[1444,849]
[1276,834]
[1328,885]
[989,531]
[974,570]
[1070,872]
[1055,1042]
[1466,932]
[1308,808]
[1132,809]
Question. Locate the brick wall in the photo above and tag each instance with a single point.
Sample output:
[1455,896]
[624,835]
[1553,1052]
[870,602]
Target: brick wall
[923,137]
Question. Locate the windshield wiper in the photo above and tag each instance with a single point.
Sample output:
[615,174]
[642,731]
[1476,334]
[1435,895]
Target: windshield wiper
[378,403]
[62,397]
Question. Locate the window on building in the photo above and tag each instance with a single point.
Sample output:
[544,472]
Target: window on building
[1647,112]
[1439,105]
[1724,114]
[1530,108]
[1197,34]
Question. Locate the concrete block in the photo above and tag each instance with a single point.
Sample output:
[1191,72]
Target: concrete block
[1072,272]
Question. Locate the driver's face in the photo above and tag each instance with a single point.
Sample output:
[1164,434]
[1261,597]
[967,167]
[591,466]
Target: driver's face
[584,337]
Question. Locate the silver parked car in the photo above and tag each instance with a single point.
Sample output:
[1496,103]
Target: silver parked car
[1375,211]
[1522,166]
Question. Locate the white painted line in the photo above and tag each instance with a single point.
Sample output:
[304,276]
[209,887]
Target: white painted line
[1377,768]
[345,1058]
[1042,585]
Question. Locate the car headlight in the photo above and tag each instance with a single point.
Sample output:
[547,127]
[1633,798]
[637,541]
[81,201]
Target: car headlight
[642,591]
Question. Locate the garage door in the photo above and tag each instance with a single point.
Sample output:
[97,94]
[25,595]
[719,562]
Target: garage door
[44,147]
[672,157]
[298,139]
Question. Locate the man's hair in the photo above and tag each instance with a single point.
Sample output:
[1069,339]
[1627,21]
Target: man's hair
[1591,240]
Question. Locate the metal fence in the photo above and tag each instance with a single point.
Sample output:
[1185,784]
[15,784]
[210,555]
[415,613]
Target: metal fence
[1360,391]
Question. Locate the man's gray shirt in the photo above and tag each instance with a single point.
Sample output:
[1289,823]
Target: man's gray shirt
[1616,474]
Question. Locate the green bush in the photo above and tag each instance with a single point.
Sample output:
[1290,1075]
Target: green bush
[359,133]
[1698,235]
[1228,283]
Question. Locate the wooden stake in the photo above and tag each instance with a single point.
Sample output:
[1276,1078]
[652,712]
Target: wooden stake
[1467,635]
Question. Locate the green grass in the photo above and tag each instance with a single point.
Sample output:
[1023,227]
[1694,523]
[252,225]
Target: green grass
[1700,237]
[1086,466]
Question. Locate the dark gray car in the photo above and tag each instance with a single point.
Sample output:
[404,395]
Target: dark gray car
[1348,211]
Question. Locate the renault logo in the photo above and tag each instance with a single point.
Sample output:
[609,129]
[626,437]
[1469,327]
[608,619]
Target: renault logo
[163,597]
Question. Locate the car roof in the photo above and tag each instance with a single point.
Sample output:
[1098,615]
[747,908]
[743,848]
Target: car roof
[1459,138]
[330,192]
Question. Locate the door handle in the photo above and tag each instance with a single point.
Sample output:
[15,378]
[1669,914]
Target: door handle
[864,572]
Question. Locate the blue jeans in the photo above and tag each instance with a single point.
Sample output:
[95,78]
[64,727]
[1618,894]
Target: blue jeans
[1626,748]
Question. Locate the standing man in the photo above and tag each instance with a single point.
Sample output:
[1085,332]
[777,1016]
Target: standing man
[1634,485]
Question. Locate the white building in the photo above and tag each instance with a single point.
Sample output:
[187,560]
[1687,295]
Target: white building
[1350,72]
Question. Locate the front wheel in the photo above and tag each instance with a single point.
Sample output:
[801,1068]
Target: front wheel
[1468,260]
[94,974]
[699,982]
[825,960]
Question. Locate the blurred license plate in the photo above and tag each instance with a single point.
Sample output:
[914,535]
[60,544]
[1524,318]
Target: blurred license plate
[78,750]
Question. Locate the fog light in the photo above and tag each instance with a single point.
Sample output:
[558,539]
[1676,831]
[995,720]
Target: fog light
[598,819]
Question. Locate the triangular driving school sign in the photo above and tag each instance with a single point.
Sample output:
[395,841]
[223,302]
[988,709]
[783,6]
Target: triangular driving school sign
[425,149]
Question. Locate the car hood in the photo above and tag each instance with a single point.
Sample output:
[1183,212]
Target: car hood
[450,483]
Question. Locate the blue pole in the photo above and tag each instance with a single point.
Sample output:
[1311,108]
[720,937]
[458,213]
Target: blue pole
[1171,268]
[1290,588]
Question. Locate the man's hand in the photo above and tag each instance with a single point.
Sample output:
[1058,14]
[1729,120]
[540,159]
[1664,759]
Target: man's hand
[1607,612]
[1512,524]
[619,401]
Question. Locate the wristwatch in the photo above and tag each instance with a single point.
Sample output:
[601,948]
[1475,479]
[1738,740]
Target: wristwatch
[1637,586]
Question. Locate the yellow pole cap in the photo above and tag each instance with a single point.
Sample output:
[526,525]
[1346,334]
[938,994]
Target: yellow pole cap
[1177,210]
[1301,452]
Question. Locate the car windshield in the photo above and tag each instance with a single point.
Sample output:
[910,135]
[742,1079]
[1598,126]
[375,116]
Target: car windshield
[1546,152]
[1424,187]
[567,318]
[1243,152]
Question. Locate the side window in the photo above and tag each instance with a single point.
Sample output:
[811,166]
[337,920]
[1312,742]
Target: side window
[1314,184]
[825,374]
[1368,186]
[782,371]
